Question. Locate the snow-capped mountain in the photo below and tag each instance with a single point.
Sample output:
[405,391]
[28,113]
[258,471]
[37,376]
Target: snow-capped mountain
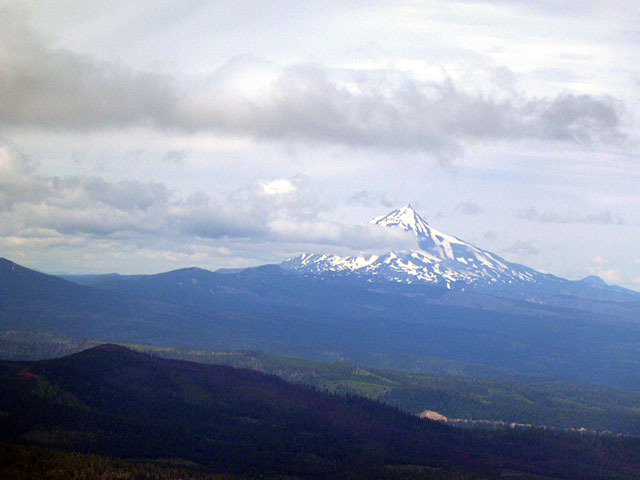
[439,258]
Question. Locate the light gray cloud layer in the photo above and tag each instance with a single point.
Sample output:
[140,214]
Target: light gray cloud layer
[282,211]
[605,217]
[369,199]
[468,208]
[56,89]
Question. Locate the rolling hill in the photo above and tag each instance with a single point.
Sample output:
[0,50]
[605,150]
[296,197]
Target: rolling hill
[112,401]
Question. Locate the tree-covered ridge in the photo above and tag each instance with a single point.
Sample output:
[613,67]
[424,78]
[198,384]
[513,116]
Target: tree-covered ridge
[459,391]
[497,396]
[113,401]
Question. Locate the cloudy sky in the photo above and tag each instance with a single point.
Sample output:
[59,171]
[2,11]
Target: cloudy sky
[146,136]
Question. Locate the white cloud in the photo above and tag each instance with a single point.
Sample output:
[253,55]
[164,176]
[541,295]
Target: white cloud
[278,187]
[609,275]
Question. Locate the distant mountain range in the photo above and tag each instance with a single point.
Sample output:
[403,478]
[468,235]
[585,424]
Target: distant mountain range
[592,335]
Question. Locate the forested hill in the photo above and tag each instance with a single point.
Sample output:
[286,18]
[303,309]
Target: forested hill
[112,401]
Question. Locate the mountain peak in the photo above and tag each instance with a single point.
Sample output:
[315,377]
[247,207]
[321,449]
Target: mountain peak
[406,218]
[440,258]
[594,281]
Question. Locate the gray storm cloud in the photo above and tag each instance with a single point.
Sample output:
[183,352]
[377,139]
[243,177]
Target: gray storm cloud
[50,88]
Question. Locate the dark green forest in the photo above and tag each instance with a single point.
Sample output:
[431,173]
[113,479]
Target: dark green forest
[453,389]
[20,462]
[113,402]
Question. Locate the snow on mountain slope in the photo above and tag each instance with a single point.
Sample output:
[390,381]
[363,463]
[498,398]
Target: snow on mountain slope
[439,258]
